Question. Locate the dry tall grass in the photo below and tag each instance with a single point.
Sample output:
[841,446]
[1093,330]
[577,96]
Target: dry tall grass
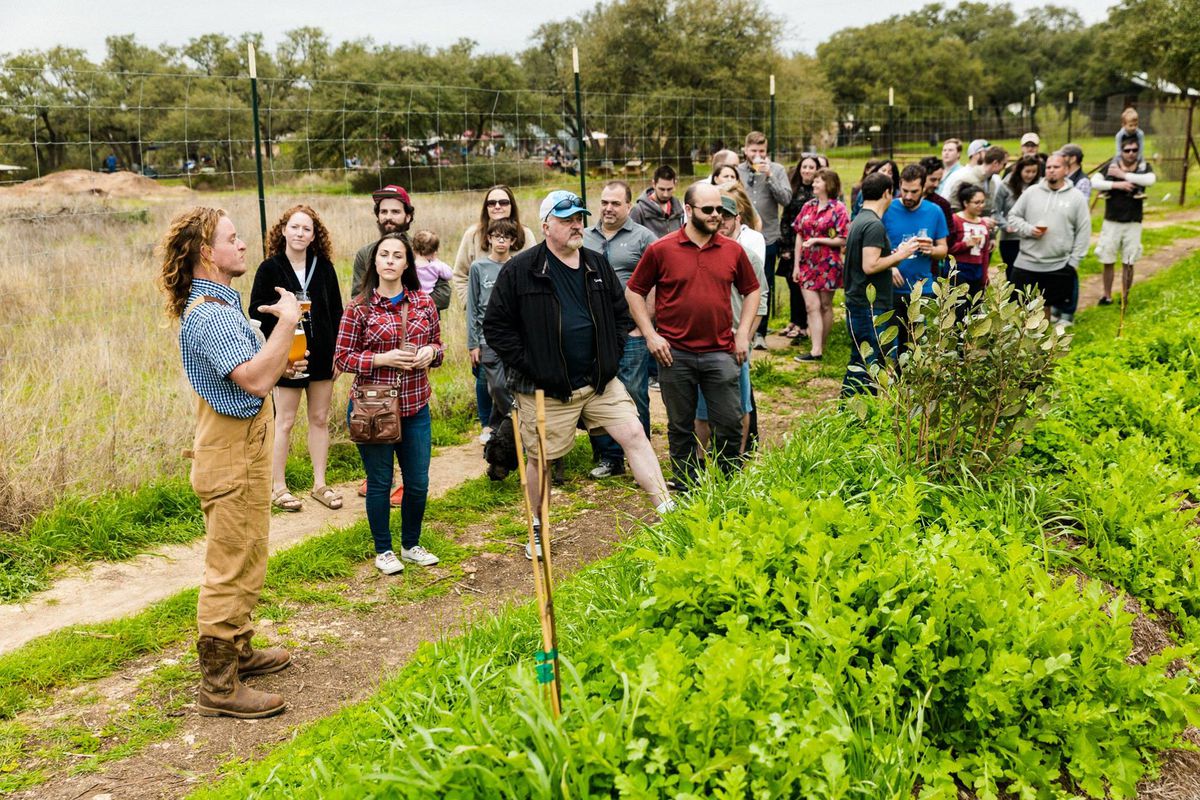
[92,394]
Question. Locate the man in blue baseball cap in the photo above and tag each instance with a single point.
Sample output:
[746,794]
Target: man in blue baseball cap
[558,320]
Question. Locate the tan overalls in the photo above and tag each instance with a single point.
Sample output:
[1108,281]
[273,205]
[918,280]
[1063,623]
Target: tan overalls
[231,474]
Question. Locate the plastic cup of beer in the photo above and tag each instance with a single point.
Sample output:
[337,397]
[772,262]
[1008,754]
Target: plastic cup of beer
[1041,228]
[299,347]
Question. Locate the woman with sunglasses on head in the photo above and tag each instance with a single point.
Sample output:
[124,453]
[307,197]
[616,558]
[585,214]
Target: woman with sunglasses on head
[391,334]
[302,260]
[498,203]
[802,191]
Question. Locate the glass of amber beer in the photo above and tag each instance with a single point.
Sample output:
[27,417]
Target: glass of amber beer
[299,346]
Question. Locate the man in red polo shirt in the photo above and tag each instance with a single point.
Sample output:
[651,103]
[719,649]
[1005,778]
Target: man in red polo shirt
[693,272]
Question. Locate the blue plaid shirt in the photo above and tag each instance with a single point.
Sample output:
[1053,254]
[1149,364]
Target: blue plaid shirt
[214,340]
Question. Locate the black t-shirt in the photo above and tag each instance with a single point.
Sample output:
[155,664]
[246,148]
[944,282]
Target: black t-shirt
[1123,206]
[578,332]
[867,231]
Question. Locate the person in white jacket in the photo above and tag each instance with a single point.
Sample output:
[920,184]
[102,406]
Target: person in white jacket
[1126,180]
[1051,219]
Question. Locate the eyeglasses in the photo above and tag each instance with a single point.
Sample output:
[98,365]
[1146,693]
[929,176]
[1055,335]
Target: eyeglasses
[1129,150]
[708,211]
[499,203]
[500,237]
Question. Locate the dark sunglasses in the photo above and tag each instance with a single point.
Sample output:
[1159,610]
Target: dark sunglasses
[567,202]
[708,211]
[499,203]
[1129,150]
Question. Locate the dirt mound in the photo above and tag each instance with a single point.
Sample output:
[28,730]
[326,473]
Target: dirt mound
[96,184]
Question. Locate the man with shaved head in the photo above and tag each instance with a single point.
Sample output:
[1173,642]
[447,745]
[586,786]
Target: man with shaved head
[695,343]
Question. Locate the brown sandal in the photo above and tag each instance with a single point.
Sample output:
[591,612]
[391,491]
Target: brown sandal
[327,497]
[285,500]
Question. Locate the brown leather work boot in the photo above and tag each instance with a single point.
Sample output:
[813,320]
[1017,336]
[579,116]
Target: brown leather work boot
[259,662]
[221,693]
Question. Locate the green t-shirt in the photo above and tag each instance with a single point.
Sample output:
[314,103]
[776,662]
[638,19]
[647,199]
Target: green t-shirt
[867,231]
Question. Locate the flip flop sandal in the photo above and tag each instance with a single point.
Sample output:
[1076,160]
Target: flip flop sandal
[790,332]
[285,500]
[327,497]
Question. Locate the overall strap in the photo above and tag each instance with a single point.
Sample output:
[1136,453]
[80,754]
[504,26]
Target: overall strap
[204,298]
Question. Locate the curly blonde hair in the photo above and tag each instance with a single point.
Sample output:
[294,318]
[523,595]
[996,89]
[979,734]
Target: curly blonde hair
[180,253]
[277,243]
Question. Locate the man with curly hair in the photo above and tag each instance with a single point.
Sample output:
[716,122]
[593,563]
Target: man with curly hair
[231,374]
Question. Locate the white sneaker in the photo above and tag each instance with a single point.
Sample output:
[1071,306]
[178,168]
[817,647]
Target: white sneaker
[485,436]
[418,555]
[537,540]
[759,343]
[388,564]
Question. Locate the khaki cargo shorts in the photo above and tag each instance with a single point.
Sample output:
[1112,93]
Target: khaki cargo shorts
[597,411]
[1119,242]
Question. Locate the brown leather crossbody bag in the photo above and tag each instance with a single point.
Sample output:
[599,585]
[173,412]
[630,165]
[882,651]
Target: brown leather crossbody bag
[375,407]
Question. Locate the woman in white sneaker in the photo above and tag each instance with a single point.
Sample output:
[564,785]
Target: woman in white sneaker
[391,334]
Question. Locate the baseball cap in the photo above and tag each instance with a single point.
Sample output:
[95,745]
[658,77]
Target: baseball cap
[976,146]
[562,204]
[392,191]
[1031,138]
[728,205]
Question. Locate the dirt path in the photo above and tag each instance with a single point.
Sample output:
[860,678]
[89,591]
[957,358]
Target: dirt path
[111,590]
[1091,288]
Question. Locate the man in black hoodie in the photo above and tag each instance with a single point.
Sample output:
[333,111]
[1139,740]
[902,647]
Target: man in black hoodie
[558,320]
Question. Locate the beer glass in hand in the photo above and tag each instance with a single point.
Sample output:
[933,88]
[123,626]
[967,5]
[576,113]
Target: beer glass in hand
[299,348]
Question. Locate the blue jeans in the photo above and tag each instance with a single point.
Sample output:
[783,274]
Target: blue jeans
[412,453]
[483,398]
[769,268]
[860,323]
[634,373]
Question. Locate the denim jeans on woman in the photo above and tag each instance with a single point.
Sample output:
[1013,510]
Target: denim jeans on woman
[412,453]
[861,324]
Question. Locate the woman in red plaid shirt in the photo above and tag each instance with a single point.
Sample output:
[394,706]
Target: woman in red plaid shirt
[377,345]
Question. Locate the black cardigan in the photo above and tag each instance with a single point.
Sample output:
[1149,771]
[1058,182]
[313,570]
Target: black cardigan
[326,310]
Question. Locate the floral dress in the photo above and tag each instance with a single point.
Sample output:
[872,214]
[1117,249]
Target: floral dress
[821,266]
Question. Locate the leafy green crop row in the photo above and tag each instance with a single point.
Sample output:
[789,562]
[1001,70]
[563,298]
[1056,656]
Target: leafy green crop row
[823,626]
[832,624]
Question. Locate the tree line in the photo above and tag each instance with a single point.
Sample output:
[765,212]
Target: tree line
[660,79]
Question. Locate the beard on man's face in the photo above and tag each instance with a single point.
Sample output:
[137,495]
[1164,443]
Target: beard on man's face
[391,226]
[705,225]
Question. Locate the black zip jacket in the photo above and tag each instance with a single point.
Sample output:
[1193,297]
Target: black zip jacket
[523,322]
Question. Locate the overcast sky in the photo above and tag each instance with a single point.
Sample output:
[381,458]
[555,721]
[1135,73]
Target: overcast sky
[498,25]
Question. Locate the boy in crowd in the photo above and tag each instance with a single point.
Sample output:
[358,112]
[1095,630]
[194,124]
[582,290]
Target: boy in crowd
[498,244]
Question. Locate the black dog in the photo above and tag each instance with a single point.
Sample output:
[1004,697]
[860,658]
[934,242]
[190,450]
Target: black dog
[501,451]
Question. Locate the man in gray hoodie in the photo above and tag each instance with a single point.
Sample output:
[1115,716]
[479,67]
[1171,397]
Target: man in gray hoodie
[657,208]
[1051,219]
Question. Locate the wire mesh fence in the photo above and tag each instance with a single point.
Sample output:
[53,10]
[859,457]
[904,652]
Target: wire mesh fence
[199,129]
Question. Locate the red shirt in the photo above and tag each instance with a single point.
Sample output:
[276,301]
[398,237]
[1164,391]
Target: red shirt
[375,326]
[692,310]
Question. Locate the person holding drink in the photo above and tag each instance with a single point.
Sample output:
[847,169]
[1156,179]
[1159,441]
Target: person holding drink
[301,261]
[970,243]
[910,216]
[231,374]
[821,228]
[391,334]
